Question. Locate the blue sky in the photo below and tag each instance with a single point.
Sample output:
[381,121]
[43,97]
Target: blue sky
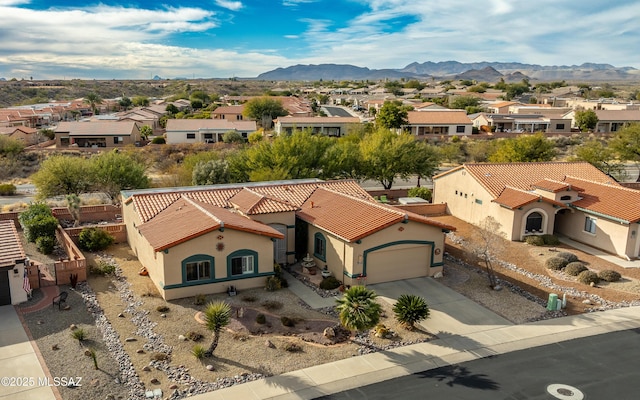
[137,39]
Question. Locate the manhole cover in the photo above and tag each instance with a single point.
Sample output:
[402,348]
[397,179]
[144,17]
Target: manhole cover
[564,392]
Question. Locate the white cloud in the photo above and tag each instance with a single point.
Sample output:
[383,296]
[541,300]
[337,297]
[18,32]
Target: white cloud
[230,5]
[295,3]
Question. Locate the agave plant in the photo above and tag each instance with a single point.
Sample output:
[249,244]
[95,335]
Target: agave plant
[358,309]
[410,309]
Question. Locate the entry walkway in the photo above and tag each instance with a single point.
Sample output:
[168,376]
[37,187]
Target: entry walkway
[599,253]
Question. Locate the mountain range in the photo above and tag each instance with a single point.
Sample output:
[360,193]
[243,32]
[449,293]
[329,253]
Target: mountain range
[480,71]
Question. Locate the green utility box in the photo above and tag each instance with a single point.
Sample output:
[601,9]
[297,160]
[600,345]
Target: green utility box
[552,304]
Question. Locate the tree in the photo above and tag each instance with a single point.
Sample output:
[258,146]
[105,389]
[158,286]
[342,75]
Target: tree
[63,175]
[420,191]
[211,172]
[487,241]
[525,148]
[94,100]
[10,146]
[392,115]
[140,101]
[217,315]
[146,131]
[115,171]
[73,205]
[38,221]
[358,309]
[464,102]
[172,109]
[264,110]
[125,103]
[343,159]
[426,161]
[410,309]
[386,155]
[232,137]
[627,144]
[600,156]
[586,119]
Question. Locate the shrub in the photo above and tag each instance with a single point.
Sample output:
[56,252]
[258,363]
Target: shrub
[7,189]
[79,334]
[588,277]
[410,309]
[249,298]
[104,268]
[550,240]
[37,220]
[261,318]
[198,351]
[283,282]
[534,240]
[162,309]
[45,244]
[158,140]
[94,239]
[330,283]
[272,284]
[286,321]
[422,192]
[159,356]
[555,263]
[574,268]
[272,305]
[199,299]
[609,275]
[194,336]
[570,257]
[292,348]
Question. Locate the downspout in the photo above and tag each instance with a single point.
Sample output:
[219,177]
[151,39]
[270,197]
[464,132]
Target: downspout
[344,260]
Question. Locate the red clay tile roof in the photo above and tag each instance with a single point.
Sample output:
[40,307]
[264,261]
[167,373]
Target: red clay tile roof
[551,186]
[189,219]
[514,198]
[350,218]
[438,117]
[10,244]
[612,200]
[148,203]
[250,202]
[495,177]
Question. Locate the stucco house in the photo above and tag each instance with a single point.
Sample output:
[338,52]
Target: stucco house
[329,126]
[519,123]
[203,239]
[436,122]
[572,199]
[97,134]
[12,265]
[205,130]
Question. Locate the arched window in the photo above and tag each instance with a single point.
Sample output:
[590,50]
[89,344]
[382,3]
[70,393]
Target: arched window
[565,198]
[198,268]
[242,263]
[320,246]
[534,222]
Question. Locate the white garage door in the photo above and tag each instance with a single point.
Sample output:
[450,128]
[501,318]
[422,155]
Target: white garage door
[398,262]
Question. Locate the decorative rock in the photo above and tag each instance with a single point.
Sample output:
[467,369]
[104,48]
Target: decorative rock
[140,351]
[586,301]
[87,353]
[55,347]
[94,382]
[329,333]
[40,322]
[146,368]
[182,337]
[121,315]
[269,344]
[438,275]
[155,381]
[73,327]
[173,387]
[163,315]
[592,284]
[210,367]
[240,312]
[130,339]
[67,308]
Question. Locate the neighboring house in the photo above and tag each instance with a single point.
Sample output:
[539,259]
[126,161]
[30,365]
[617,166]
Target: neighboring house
[232,113]
[12,265]
[519,123]
[204,239]
[609,121]
[573,199]
[26,135]
[97,134]
[330,126]
[436,122]
[502,107]
[205,130]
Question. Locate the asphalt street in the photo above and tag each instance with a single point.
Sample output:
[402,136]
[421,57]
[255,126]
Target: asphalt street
[596,367]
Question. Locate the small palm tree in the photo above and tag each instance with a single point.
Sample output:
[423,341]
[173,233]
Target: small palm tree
[410,309]
[217,315]
[358,309]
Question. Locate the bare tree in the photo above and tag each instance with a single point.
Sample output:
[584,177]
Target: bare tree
[488,241]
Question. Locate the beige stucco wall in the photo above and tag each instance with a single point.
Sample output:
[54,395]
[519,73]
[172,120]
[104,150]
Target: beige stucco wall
[462,193]
[353,253]
[287,219]
[18,295]
[519,220]
[611,236]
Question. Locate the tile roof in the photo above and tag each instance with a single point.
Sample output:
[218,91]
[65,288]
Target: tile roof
[10,244]
[495,177]
[438,117]
[612,200]
[229,109]
[204,124]
[189,219]
[250,202]
[123,128]
[551,186]
[148,203]
[351,218]
[618,115]
[514,198]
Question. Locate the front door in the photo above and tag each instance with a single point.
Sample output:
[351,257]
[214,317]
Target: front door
[280,245]
[5,290]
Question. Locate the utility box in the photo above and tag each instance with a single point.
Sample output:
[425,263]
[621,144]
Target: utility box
[552,304]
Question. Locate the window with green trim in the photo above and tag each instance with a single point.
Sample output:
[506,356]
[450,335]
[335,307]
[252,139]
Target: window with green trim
[198,271]
[242,262]
[320,246]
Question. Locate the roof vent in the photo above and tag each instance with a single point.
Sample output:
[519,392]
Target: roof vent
[312,204]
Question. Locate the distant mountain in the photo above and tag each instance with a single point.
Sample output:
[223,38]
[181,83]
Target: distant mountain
[480,71]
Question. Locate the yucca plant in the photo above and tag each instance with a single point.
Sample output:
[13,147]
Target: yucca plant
[410,309]
[217,315]
[198,351]
[79,334]
[358,309]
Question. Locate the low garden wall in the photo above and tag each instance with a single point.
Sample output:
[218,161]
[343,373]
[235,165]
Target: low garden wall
[76,264]
[428,210]
[103,212]
[118,231]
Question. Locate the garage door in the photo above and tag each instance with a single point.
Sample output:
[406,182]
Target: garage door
[5,292]
[398,262]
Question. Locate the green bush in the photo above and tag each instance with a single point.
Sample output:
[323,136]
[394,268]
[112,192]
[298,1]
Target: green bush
[555,263]
[79,334]
[570,257]
[422,192]
[46,244]
[249,298]
[198,351]
[158,140]
[609,275]
[261,318]
[550,240]
[410,309]
[588,277]
[534,240]
[162,309]
[199,299]
[38,220]
[292,348]
[94,239]
[104,268]
[286,321]
[330,283]
[194,336]
[574,268]
[272,305]
[273,284]
[7,189]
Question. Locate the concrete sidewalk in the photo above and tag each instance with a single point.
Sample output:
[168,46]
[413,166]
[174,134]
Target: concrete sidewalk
[18,360]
